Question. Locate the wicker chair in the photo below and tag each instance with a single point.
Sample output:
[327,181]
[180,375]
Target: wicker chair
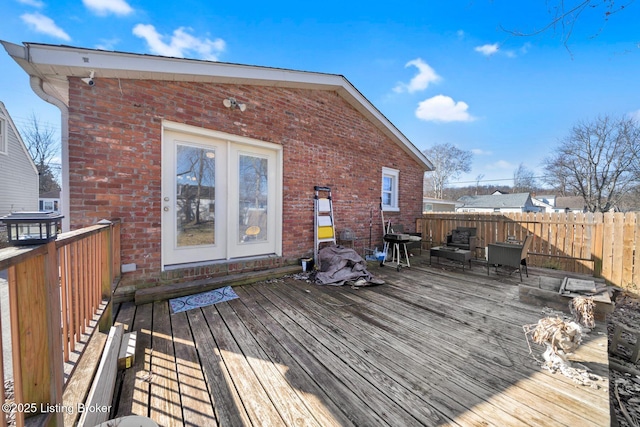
[509,254]
[463,238]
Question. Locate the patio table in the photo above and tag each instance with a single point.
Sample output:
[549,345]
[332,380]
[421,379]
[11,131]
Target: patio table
[455,254]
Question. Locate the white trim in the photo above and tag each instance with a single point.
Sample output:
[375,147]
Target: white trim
[394,174]
[4,137]
[209,133]
[235,140]
[54,64]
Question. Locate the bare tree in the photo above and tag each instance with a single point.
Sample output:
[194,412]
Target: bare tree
[478,179]
[43,148]
[598,160]
[524,180]
[449,163]
[564,14]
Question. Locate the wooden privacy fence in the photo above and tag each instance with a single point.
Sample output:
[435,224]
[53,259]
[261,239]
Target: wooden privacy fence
[55,290]
[604,245]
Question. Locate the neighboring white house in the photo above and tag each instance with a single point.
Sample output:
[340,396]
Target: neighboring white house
[497,202]
[549,199]
[437,205]
[545,203]
[573,204]
[50,202]
[19,179]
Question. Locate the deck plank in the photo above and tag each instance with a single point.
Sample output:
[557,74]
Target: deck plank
[340,394]
[322,408]
[134,392]
[356,370]
[484,377]
[370,400]
[227,403]
[285,400]
[254,398]
[195,399]
[386,351]
[486,312]
[164,404]
[431,347]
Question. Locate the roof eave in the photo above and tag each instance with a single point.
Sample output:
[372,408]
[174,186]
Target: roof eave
[54,64]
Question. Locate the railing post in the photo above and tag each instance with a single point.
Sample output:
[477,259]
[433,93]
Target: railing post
[106,274]
[34,299]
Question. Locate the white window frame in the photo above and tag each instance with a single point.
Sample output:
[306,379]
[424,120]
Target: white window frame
[394,175]
[4,136]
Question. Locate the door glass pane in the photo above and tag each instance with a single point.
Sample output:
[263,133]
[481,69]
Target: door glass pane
[252,208]
[195,195]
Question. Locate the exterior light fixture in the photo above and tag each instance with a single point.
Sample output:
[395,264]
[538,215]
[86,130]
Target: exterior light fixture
[32,228]
[232,104]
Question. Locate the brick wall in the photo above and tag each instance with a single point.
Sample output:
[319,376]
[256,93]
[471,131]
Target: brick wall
[115,161]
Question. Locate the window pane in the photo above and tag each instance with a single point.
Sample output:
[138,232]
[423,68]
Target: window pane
[253,194]
[386,199]
[387,183]
[195,195]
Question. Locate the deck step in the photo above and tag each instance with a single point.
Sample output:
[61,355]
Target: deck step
[175,290]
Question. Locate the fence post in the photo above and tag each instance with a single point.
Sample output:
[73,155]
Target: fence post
[34,299]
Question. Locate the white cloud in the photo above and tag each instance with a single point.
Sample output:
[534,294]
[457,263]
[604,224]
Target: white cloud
[495,48]
[488,49]
[481,152]
[34,3]
[461,34]
[525,48]
[180,42]
[442,108]
[500,164]
[105,7]
[45,25]
[426,75]
[635,115]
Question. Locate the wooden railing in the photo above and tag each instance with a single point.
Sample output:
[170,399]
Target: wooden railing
[55,292]
[603,245]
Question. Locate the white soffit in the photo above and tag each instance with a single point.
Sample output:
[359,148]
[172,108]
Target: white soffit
[53,64]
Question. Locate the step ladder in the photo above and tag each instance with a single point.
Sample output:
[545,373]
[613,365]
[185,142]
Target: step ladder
[324,226]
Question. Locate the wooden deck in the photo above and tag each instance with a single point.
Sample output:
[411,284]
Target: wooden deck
[430,347]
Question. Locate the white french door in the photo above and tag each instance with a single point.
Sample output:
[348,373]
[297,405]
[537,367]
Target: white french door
[252,204]
[221,198]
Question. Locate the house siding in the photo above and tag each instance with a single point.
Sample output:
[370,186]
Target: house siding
[18,177]
[115,159]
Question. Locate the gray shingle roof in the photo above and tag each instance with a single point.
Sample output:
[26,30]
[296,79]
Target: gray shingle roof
[517,200]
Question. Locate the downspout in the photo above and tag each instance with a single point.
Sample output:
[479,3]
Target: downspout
[38,87]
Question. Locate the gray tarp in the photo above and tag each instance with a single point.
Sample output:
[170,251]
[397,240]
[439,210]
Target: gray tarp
[338,265]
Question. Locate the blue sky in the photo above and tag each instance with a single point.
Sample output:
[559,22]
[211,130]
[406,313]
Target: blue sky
[440,71]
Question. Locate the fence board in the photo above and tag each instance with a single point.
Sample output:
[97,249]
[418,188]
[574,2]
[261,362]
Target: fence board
[604,245]
[607,246]
[635,277]
[627,248]
[64,300]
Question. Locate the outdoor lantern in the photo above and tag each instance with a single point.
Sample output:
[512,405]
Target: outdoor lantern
[32,228]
